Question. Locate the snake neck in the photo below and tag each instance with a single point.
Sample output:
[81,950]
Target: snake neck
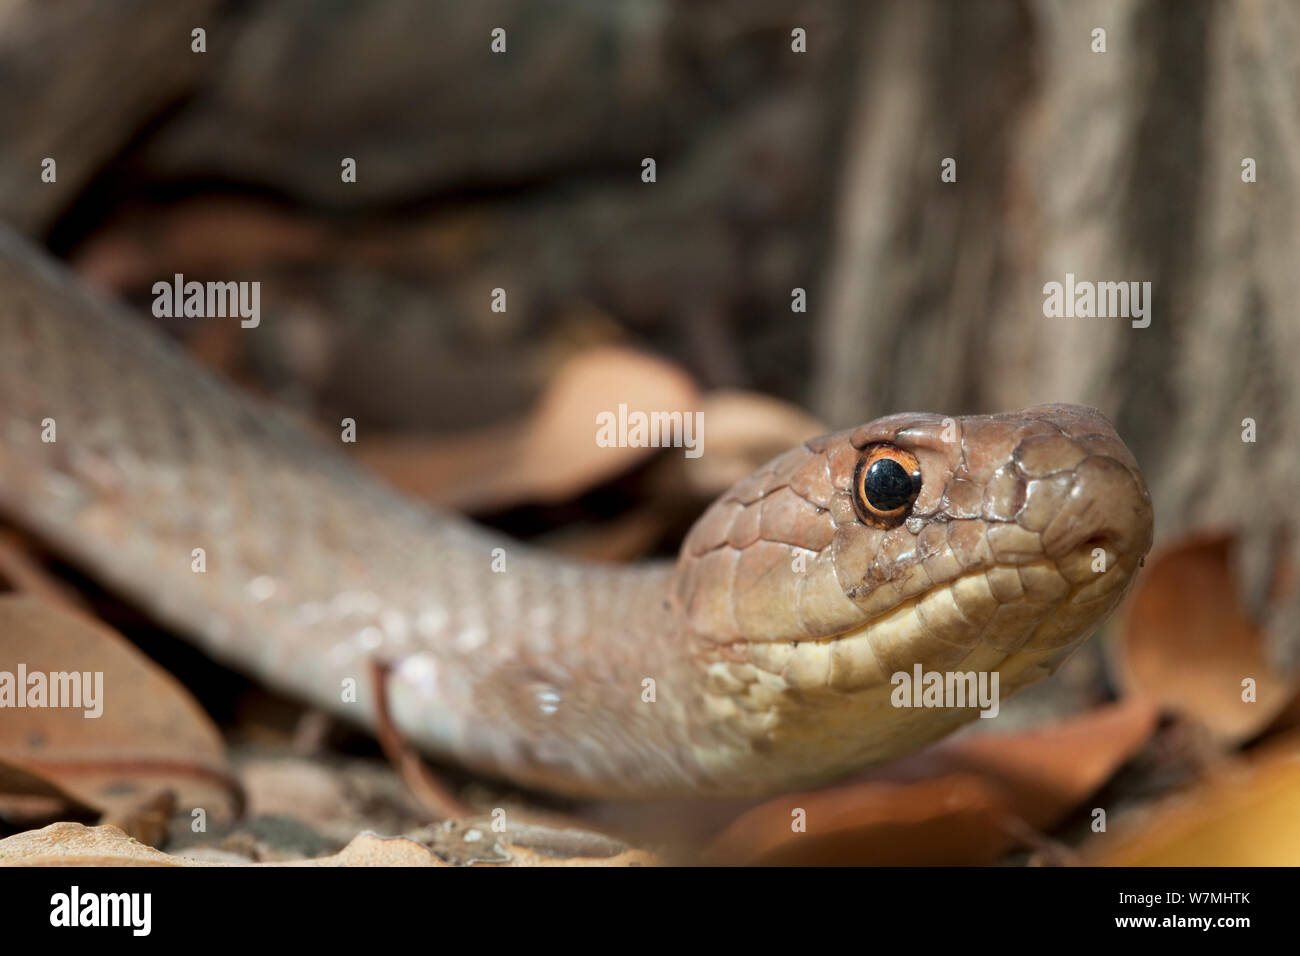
[596,692]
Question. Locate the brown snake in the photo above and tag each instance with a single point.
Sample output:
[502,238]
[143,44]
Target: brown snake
[760,661]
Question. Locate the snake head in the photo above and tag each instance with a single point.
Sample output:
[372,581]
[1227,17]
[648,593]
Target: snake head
[970,545]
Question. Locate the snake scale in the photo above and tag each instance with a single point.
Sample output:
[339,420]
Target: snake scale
[759,661]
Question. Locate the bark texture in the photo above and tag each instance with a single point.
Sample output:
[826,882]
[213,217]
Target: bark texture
[1114,166]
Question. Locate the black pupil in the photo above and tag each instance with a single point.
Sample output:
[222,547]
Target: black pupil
[887,485]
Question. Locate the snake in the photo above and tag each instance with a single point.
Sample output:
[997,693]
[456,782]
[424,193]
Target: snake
[765,658]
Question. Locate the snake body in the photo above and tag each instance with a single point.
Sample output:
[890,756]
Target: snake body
[760,660]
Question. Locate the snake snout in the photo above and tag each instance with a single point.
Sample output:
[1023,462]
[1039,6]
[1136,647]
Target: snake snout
[1108,508]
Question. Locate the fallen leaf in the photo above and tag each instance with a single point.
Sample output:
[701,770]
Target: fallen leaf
[1046,773]
[552,454]
[369,849]
[72,844]
[304,789]
[951,804]
[473,841]
[744,430]
[149,733]
[948,821]
[1244,815]
[1186,643]
[29,797]
[144,820]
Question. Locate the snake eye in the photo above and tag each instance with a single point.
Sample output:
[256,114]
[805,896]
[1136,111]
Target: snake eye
[885,484]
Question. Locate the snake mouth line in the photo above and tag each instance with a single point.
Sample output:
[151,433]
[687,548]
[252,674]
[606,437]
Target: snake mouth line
[981,618]
[1041,581]
[1078,564]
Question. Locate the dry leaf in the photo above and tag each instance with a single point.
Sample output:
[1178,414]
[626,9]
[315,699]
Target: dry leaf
[527,843]
[144,820]
[1186,643]
[550,456]
[150,733]
[744,431]
[950,804]
[29,797]
[71,844]
[1047,773]
[951,820]
[1243,816]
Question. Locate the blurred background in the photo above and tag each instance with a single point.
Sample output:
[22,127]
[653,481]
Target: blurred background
[799,262]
